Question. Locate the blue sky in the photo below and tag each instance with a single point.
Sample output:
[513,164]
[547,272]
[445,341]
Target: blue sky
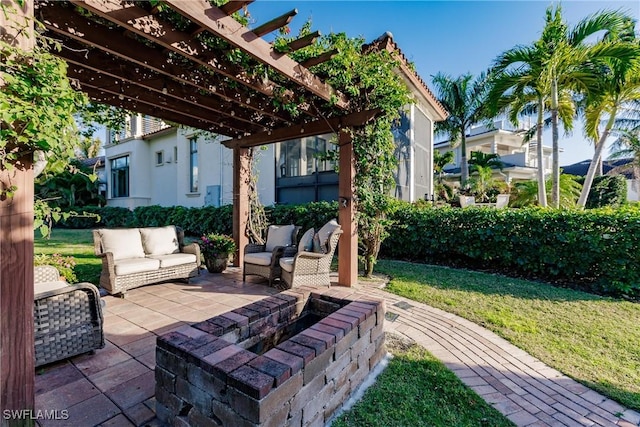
[454,37]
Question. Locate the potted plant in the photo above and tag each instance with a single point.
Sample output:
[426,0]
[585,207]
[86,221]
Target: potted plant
[216,250]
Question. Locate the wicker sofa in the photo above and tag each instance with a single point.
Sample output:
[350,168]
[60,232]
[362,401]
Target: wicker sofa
[67,318]
[133,257]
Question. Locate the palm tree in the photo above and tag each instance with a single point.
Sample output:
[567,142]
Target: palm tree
[440,160]
[617,90]
[525,193]
[544,75]
[442,190]
[480,159]
[565,64]
[517,87]
[465,99]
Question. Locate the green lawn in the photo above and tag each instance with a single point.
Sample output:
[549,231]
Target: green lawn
[590,338]
[76,243]
[416,389]
[593,339]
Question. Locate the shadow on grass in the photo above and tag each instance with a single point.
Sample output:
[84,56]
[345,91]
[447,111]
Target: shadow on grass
[440,277]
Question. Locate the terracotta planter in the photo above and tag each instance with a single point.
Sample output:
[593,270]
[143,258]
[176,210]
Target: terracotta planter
[216,265]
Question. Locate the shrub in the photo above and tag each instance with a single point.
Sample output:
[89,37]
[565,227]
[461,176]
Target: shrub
[595,250]
[607,191]
[64,264]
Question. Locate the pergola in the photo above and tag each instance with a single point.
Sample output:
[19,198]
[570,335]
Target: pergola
[170,62]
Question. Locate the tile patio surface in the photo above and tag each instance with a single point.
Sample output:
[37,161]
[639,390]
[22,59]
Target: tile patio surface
[115,386]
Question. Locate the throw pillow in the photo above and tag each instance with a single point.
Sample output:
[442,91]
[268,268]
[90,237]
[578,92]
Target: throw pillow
[317,246]
[326,231]
[306,242]
[279,235]
[160,240]
[122,243]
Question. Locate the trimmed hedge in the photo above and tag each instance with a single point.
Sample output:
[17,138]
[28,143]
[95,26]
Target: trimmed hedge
[199,221]
[595,250]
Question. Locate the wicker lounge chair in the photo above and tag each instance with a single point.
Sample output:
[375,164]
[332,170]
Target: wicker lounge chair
[263,260]
[67,318]
[310,268]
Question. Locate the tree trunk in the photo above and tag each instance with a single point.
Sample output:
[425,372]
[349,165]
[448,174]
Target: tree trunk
[464,165]
[591,173]
[542,189]
[555,172]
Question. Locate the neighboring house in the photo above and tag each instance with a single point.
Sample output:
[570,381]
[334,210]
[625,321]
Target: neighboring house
[519,158]
[151,163]
[633,184]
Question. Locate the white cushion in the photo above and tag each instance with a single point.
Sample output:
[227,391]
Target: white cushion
[326,231]
[159,240]
[306,242]
[278,235]
[135,265]
[286,264]
[122,243]
[48,286]
[171,260]
[258,258]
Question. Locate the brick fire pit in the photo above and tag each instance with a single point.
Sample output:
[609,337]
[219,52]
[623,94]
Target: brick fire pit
[288,360]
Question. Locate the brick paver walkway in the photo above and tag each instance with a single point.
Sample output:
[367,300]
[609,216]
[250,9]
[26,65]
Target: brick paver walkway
[115,386]
[521,387]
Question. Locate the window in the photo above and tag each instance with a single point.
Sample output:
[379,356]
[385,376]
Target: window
[120,177]
[159,158]
[322,147]
[193,165]
[175,154]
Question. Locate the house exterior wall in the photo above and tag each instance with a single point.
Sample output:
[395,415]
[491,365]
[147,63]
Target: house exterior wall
[423,153]
[167,183]
[139,183]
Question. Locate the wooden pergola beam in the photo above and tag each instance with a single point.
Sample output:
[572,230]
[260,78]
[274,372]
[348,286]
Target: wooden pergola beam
[164,107]
[219,24]
[233,6]
[126,101]
[304,41]
[96,71]
[141,22]
[317,127]
[275,23]
[63,21]
[323,57]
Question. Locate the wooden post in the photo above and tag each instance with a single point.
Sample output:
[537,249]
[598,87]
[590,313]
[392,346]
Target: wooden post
[17,378]
[348,243]
[241,179]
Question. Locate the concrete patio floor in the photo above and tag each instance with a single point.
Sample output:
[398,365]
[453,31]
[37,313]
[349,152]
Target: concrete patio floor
[115,386]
